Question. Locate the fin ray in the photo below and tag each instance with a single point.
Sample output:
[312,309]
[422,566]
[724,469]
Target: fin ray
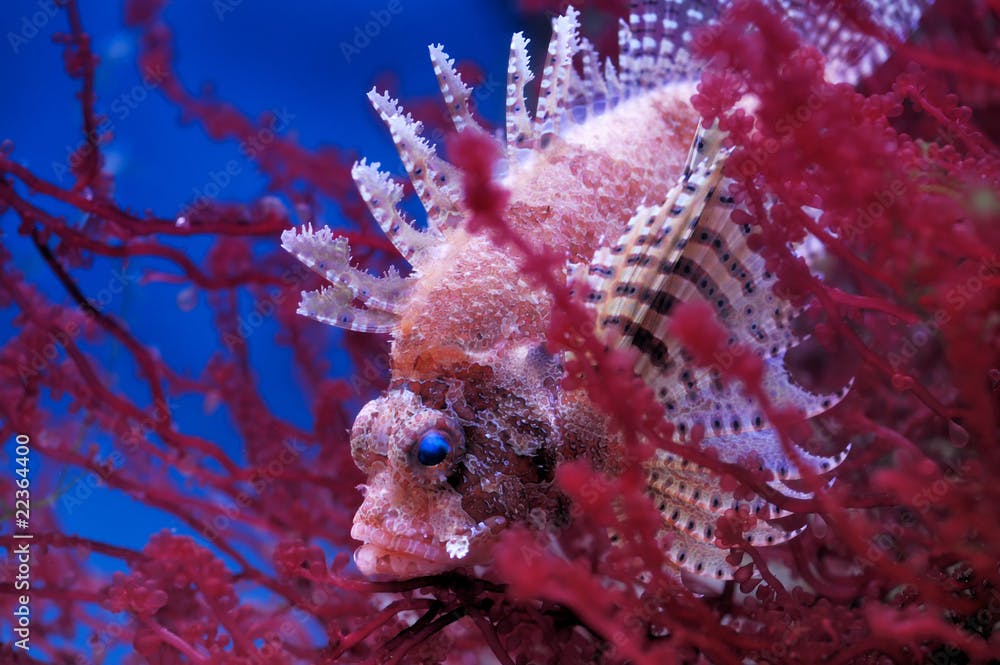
[454,91]
[556,73]
[435,181]
[382,196]
[520,131]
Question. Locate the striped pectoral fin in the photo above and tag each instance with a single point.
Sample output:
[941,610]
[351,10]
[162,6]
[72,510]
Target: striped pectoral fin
[700,558]
[691,500]
[707,560]
[697,485]
[765,446]
[636,282]
[782,390]
[689,249]
[735,425]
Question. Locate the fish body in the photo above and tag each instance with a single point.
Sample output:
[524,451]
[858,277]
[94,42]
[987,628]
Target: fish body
[613,171]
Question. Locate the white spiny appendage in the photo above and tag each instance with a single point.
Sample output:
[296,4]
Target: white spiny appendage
[330,256]
[765,445]
[628,66]
[382,196]
[332,305]
[646,44]
[454,91]
[435,181]
[520,133]
[691,499]
[785,490]
[326,254]
[612,83]
[556,73]
[593,86]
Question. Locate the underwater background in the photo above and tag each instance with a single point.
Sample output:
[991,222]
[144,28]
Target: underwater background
[311,63]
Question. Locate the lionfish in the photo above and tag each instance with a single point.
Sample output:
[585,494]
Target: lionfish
[615,171]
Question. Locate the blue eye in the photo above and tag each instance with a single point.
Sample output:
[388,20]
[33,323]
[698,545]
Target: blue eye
[432,448]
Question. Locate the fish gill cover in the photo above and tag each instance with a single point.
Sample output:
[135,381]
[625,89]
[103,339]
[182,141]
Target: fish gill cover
[893,186]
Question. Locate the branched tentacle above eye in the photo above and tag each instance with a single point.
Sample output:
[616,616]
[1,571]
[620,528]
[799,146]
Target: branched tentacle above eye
[332,305]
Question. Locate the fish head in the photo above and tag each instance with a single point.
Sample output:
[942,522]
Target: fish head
[450,462]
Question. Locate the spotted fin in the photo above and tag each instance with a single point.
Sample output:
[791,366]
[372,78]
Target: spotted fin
[520,131]
[556,73]
[382,298]
[685,249]
[691,501]
[454,91]
[382,196]
[655,43]
[688,249]
[435,181]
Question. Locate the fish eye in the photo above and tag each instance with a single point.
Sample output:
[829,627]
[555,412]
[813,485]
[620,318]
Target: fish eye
[432,448]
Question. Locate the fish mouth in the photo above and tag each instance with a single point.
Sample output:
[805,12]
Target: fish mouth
[386,555]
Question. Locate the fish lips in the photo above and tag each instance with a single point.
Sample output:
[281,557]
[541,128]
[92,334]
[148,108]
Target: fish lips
[392,556]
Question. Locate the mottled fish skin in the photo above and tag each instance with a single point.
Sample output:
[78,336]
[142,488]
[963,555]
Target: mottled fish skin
[614,171]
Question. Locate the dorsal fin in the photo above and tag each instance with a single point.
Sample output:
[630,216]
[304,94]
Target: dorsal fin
[520,131]
[382,196]
[655,43]
[455,93]
[435,181]
[553,93]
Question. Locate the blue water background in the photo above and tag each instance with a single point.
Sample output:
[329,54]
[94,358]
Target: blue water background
[311,60]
